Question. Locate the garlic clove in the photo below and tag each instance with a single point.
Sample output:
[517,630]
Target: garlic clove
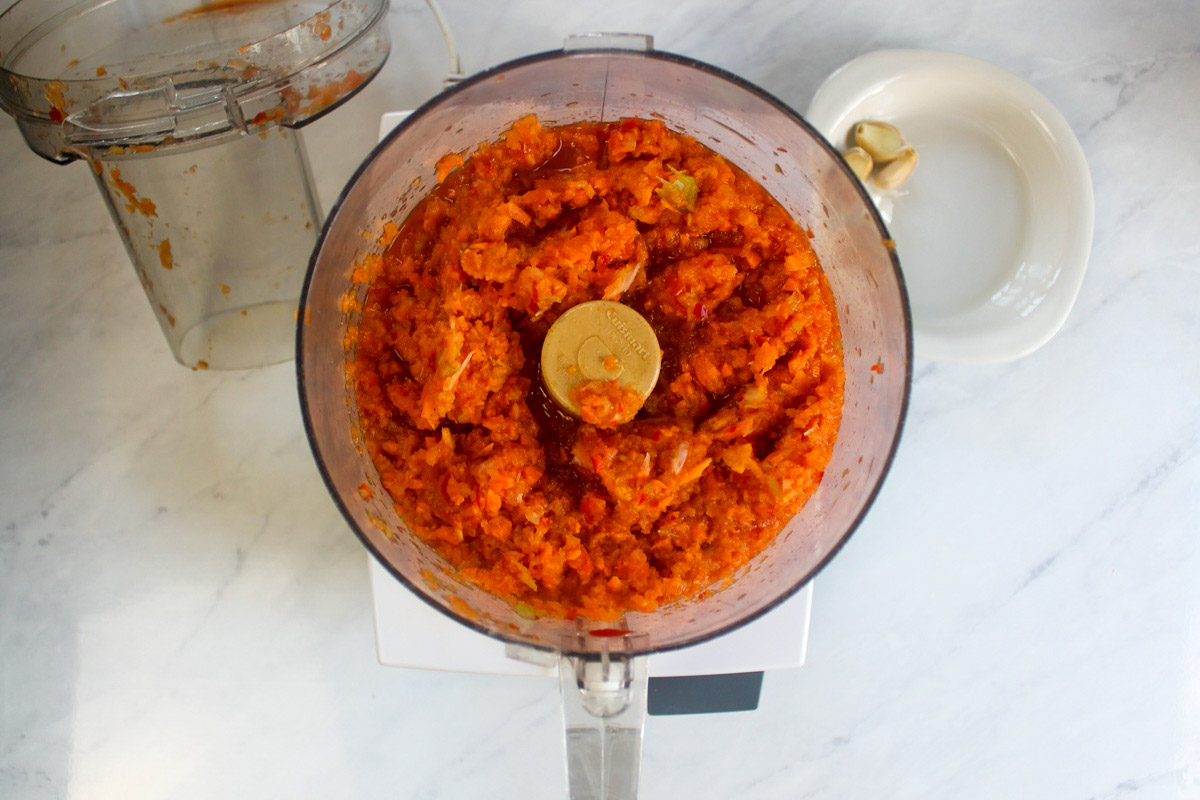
[860,162]
[898,170]
[882,140]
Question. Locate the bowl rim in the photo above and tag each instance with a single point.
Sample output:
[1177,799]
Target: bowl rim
[488,74]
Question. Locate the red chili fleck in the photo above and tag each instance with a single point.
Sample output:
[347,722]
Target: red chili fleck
[877,368]
[700,312]
[596,462]
[609,632]
[56,115]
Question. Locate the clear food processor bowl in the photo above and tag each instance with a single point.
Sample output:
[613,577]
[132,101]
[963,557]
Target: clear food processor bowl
[188,112]
[596,82]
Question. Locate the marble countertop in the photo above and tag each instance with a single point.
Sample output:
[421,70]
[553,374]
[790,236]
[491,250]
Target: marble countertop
[183,613]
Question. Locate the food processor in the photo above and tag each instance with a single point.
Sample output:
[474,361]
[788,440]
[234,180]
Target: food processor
[607,78]
[188,113]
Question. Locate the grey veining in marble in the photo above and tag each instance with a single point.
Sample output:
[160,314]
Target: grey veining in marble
[184,615]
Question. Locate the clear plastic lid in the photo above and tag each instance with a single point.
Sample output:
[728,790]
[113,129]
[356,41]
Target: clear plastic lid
[98,77]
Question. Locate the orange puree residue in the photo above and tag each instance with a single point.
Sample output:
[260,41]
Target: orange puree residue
[164,254]
[556,514]
[133,204]
[219,7]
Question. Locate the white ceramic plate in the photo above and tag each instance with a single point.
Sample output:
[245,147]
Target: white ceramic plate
[994,227]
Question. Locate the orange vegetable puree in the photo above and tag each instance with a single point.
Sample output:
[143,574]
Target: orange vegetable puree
[546,509]
[606,404]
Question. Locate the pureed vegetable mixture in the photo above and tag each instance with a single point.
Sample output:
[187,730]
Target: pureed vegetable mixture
[563,516]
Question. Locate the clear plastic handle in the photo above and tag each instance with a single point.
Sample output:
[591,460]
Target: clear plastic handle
[604,712]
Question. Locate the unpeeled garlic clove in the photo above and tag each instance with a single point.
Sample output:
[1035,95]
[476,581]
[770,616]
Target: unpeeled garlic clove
[860,162]
[898,170]
[882,140]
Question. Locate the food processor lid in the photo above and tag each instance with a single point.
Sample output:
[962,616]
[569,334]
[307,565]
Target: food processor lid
[103,75]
